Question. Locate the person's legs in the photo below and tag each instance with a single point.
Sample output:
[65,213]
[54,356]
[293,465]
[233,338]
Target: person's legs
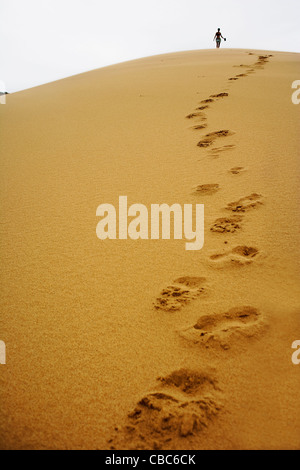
[218,43]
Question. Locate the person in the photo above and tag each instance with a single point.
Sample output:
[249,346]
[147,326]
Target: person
[218,37]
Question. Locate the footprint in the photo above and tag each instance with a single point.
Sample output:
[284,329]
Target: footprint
[262,59]
[209,100]
[245,203]
[227,225]
[205,143]
[236,170]
[200,126]
[209,139]
[224,329]
[192,115]
[233,78]
[219,95]
[207,188]
[182,404]
[238,256]
[241,75]
[203,107]
[181,292]
[214,152]
[200,115]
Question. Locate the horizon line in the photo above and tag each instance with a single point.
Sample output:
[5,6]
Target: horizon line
[141,58]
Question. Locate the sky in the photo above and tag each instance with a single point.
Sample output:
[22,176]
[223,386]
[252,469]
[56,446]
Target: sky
[45,40]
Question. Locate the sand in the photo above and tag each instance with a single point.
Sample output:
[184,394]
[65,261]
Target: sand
[99,355]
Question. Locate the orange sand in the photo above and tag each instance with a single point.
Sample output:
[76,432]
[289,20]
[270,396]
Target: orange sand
[85,343]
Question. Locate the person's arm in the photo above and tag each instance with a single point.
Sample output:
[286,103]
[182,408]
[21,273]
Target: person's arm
[214,37]
[222,36]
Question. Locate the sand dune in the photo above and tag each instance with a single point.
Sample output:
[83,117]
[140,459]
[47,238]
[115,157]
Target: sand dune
[140,344]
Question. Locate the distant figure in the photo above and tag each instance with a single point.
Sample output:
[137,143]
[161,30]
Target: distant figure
[218,37]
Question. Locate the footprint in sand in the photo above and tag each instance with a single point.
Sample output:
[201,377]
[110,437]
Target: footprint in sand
[227,225]
[199,115]
[262,60]
[241,75]
[208,189]
[209,100]
[209,139]
[203,107]
[181,292]
[245,203]
[214,152]
[223,330]
[192,115]
[239,256]
[236,170]
[182,404]
[219,95]
[233,78]
[200,126]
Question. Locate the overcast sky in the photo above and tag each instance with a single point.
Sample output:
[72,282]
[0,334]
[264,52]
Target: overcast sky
[44,40]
